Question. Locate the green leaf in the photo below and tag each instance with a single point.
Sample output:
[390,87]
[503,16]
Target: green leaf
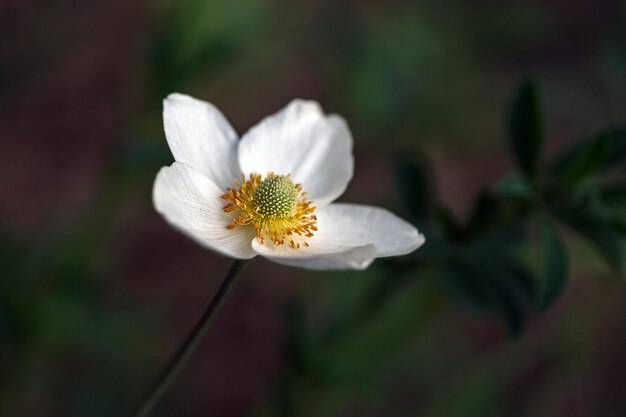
[498,284]
[584,160]
[609,243]
[484,215]
[415,183]
[555,266]
[613,194]
[514,186]
[450,226]
[611,198]
[602,151]
[525,127]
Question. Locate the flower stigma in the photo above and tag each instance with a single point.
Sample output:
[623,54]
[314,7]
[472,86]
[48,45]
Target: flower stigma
[275,207]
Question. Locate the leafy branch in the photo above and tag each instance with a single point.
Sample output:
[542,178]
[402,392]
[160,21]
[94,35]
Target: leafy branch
[483,259]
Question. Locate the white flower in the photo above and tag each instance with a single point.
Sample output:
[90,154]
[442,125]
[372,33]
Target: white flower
[270,193]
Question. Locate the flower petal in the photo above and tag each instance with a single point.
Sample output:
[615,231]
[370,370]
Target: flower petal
[318,257]
[355,224]
[191,203]
[200,136]
[316,149]
[349,236]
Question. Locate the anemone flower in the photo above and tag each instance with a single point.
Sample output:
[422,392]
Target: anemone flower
[271,193]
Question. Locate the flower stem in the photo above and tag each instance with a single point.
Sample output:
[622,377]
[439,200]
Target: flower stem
[176,363]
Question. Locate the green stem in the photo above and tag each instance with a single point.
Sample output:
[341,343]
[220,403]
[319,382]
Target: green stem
[176,363]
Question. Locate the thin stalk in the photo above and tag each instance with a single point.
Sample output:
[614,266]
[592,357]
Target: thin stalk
[176,363]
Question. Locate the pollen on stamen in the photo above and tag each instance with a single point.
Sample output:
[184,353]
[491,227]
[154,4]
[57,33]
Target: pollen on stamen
[276,208]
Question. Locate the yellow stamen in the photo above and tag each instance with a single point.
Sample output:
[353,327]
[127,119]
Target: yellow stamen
[274,207]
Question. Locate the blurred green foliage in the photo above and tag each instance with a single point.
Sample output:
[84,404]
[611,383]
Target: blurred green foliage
[480,259]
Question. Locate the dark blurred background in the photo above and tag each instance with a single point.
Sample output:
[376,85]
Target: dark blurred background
[96,290]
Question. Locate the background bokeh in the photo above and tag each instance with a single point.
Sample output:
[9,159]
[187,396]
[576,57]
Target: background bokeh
[96,291]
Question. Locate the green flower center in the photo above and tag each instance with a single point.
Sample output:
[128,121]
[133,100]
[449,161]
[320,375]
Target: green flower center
[276,196]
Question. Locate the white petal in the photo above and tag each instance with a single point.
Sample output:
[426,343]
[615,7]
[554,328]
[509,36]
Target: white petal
[200,136]
[319,257]
[354,224]
[316,149]
[349,236]
[190,202]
